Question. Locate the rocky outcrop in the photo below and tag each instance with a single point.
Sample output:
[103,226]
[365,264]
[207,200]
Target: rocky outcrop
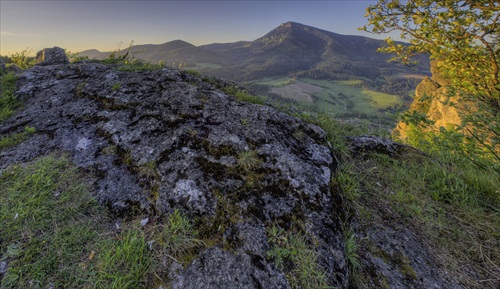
[433,100]
[164,140]
[49,56]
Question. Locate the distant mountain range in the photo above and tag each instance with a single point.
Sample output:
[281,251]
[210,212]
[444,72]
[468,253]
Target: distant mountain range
[289,49]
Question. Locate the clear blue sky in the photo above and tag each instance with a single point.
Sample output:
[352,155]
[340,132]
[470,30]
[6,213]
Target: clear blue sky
[80,25]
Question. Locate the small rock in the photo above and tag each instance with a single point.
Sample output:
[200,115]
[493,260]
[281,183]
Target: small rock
[374,144]
[218,269]
[3,267]
[83,143]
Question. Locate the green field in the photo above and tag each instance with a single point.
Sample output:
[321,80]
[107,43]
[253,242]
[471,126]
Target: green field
[274,82]
[333,97]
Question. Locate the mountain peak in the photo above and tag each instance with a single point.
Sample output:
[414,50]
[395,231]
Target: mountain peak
[291,24]
[291,36]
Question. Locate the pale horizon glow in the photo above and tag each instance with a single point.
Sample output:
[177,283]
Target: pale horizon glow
[102,25]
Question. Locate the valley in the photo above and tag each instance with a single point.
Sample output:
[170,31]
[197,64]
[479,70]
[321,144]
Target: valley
[343,99]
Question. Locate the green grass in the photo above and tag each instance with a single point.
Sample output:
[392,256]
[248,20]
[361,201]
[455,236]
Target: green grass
[116,86]
[46,225]
[293,253]
[249,160]
[138,65]
[243,95]
[54,234]
[123,263]
[16,138]
[351,248]
[335,130]
[275,82]
[9,104]
[450,203]
[130,64]
[178,238]
[22,60]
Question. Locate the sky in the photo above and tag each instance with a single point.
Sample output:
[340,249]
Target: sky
[103,25]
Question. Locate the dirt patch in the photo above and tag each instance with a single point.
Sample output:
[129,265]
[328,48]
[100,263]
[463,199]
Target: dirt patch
[298,91]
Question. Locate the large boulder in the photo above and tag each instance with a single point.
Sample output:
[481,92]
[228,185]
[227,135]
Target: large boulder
[50,56]
[164,140]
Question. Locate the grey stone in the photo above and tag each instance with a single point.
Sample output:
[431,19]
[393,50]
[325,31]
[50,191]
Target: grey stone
[2,64]
[218,269]
[3,267]
[374,144]
[50,56]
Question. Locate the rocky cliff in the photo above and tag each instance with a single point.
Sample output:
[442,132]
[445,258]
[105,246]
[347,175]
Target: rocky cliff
[431,99]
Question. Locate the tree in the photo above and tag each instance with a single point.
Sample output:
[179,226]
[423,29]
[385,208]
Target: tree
[463,36]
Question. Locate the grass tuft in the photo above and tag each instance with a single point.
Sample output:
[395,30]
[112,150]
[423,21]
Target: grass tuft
[178,238]
[243,95]
[123,262]
[16,138]
[249,160]
[293,254]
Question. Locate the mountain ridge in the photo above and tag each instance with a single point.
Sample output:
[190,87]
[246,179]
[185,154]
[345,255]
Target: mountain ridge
[290,48]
